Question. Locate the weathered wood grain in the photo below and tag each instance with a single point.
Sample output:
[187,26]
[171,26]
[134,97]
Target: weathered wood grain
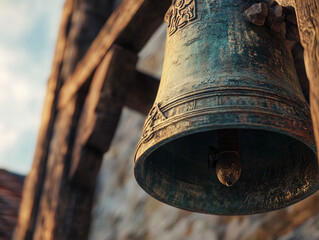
[130,26]
[56,195]
[34,181]
[65,206]
[101,113]
[308,21]
[142,92]
[78,17]
[87,19]
[307,12]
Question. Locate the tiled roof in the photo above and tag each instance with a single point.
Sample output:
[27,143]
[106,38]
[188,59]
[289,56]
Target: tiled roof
[10,195]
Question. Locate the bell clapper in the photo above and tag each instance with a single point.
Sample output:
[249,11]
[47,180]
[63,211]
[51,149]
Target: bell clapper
[226,158]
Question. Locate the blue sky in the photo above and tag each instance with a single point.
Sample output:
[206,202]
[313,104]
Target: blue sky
[28,31]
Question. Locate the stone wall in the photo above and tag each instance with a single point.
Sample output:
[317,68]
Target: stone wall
[123,211]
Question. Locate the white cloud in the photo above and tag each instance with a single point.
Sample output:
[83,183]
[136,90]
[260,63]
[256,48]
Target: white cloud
[18,16]
[23,75]
[7,139]
[20,103]
[15,16]
[17,85]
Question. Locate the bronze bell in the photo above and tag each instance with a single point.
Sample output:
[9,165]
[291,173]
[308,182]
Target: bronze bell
[230,131]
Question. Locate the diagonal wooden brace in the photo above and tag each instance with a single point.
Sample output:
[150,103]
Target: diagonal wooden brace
[101,114]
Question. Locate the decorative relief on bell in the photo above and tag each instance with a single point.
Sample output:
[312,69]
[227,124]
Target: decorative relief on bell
[191,105]
[155,115]
[180,14]
[249,100]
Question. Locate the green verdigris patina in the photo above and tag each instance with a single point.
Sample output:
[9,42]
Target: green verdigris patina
[221,72]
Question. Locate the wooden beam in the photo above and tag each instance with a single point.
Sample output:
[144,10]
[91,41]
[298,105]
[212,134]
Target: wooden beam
[308,21]
[49,224]
[34,181]
[82,129]
[70,48]
[88,18]
[307,12]
[142,93]
[101,114]
[131,25]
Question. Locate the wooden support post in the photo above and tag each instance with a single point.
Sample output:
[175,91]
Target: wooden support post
[77,17]
[88,18]
[307,12]
[308,21]
[49,223]
[34,182]
[79,141]
[101,113]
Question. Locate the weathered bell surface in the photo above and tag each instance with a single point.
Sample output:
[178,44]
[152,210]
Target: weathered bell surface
[230,131]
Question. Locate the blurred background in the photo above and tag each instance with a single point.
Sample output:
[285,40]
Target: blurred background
[28,33]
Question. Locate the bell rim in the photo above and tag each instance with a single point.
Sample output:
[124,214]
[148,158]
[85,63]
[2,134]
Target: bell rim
[139,161]
[161,199]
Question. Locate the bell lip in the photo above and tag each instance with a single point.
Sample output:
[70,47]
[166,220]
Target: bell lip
[290,203]
[145,154]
